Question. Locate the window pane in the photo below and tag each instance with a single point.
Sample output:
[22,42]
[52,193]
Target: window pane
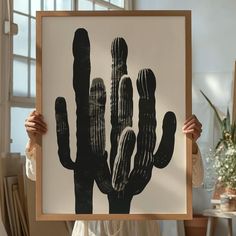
[32,79]
[63,5]
[100,8]
[85,5]
[119,3]
[18,133]
[48,5]
[33,39]
[20,41]
[21,6]
[35,6]
[20,77]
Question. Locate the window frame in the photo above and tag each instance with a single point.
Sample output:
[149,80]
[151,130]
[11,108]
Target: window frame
[7,98]
[5,78]
[104,3]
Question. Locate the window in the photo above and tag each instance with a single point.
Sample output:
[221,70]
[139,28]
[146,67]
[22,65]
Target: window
[24,58]
[101,5]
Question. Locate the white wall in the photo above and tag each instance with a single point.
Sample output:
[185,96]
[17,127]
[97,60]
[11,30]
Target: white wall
[214,54]
[213,30]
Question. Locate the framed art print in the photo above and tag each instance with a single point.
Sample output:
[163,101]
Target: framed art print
[114,89]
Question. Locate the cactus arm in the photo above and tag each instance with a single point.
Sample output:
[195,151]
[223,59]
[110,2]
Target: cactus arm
[143,160]
[119,52]
[97,102]
[166,148]
[122,160]
[120,199]
[81,80]
[125,103]
[63,134]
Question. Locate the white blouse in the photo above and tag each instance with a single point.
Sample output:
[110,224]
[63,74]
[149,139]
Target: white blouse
[117,227]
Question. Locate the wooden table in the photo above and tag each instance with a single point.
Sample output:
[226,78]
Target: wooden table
[214,215]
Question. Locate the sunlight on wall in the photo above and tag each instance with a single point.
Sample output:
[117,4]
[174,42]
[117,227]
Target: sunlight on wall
[214,85]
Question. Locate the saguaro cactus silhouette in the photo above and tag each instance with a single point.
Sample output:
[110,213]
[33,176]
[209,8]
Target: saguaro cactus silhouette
[116,180]
[83,165]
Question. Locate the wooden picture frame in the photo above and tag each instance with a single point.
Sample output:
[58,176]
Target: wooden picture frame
[157,40]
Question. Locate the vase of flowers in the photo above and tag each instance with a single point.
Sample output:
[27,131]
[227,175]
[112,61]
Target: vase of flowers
[225,151]
[225,164]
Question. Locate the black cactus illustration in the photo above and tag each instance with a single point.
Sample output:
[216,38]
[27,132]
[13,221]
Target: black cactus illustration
[115,179]
[83,165]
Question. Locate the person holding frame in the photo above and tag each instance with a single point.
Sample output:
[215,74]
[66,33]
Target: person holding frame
[36,127]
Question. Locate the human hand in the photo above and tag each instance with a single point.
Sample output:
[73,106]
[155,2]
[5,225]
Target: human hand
[193,128]
[35,127]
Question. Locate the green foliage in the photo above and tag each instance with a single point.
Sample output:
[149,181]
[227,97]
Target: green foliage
[225,151]
[228,129]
